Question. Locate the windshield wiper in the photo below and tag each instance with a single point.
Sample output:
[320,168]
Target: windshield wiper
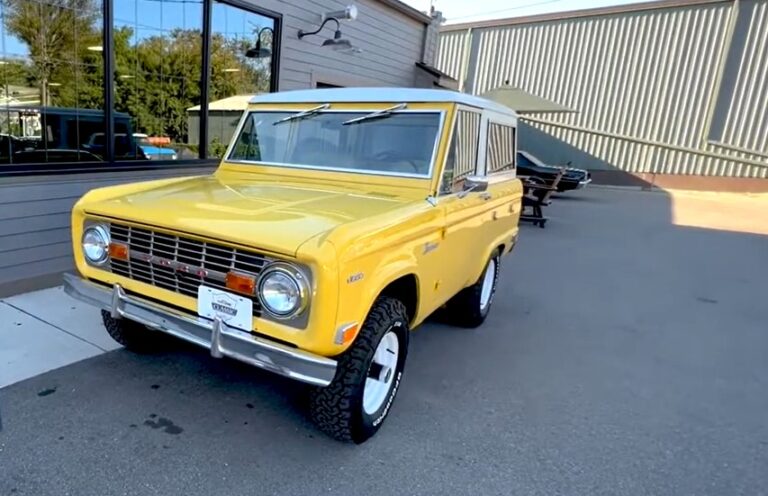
[379,114]
[303,114]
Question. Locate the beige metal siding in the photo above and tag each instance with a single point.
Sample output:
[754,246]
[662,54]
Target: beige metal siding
[746,123]
[390,43]
[451,55]
[644,83]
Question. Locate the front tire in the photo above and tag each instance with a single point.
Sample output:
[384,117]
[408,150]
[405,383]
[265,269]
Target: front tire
[134,336]
[471,305]
[354,406]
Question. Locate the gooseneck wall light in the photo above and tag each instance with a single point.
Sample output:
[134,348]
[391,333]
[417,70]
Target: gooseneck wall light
[260,51]
[337,42]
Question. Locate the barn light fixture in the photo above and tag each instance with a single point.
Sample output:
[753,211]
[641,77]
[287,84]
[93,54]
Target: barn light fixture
[260,51]
[337,42]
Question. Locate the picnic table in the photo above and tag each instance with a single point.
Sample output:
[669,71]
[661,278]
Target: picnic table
[536,194]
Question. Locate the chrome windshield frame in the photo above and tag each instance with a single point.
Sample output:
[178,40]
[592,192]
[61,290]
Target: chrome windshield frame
[432,165]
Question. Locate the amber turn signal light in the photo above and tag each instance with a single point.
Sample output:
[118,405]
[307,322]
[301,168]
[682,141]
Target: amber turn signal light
[241,283]
[118,251]
[349,334]
[346,333]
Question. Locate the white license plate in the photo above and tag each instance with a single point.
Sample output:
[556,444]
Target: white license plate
[232,309]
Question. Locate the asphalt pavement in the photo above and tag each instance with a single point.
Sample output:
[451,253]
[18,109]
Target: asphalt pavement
[624,355]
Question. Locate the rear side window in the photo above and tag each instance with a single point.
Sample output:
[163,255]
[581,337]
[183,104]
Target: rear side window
[462,153]
[501,148]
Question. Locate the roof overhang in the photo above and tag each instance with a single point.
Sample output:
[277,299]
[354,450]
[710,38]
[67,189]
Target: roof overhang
[523,102]
[407,10]
[442,79]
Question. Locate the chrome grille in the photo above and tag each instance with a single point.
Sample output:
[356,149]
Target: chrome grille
[215,259]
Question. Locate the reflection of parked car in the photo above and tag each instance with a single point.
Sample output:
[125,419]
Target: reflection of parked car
[323,237]
[153,152]
[10,145]
[58,128]
[529,165]
[125,147]
[53,155]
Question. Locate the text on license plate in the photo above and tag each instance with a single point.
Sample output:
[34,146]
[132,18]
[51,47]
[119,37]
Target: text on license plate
[235,311]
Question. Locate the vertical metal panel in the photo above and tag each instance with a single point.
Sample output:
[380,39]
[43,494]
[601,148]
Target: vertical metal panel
[451,51]
[747,119]
[643,82]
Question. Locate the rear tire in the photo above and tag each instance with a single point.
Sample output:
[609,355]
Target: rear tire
[471,305]
[356,403]
[134,336]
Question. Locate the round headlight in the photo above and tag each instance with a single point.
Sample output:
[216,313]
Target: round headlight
[96,244]
[283,290]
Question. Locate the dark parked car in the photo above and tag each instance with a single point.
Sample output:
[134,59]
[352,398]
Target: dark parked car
[529,165]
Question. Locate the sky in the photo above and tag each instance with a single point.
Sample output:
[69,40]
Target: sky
[154,17]
[458,11]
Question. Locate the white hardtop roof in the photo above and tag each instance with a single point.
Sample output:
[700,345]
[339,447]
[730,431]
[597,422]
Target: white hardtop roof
[379,95]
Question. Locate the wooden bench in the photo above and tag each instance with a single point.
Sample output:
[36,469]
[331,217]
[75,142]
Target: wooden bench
[537,195]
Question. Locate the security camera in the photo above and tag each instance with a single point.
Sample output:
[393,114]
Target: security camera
[349,13]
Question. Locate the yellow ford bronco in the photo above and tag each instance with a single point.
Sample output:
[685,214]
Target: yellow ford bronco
[338,220]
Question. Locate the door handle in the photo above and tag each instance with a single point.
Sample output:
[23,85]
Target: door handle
[486,196]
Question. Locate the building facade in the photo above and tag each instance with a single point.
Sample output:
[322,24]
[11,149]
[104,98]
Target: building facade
[99,92]
[675,87]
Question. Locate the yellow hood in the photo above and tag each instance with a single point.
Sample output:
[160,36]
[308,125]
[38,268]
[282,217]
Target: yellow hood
[276,217]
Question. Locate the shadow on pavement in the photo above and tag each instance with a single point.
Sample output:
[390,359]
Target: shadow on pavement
[625,354]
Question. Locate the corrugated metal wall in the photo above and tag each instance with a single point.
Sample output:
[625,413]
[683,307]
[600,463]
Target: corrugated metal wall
[746,120]
[646,84]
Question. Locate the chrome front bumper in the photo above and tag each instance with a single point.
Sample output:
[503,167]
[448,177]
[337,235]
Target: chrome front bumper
[584,183]
[215,335]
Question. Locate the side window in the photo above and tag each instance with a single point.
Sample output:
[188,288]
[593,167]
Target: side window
[501,148]
[462,153]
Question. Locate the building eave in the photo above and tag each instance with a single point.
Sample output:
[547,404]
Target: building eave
[407,10]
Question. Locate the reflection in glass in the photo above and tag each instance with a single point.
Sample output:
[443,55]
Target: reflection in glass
[51,72]
[158,62]
[238,69]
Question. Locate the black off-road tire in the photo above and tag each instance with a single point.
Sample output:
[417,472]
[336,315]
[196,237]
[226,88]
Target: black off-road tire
[464,308]
[338,408]
[134,336]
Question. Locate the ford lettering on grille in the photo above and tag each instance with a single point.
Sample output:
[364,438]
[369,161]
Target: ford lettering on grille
[179,263]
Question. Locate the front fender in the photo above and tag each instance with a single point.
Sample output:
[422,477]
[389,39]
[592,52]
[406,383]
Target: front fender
[362,281]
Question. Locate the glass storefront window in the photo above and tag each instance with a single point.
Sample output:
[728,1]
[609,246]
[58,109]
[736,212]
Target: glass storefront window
[52,79]
[52,73]
[239,69]
[158,68]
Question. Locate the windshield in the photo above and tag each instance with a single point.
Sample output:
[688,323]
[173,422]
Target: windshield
[401,143]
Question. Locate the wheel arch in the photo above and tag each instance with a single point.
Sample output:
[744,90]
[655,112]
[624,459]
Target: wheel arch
[404,288]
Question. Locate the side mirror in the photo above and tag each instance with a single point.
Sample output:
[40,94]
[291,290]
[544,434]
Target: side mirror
[476,184]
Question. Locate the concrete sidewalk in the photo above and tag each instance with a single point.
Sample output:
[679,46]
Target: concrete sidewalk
[45,330]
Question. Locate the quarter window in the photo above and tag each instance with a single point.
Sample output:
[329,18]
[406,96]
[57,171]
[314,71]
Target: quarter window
[501,148]
[462,153]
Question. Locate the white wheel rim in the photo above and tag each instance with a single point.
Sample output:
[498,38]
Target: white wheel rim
[381,373]
[487,290]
